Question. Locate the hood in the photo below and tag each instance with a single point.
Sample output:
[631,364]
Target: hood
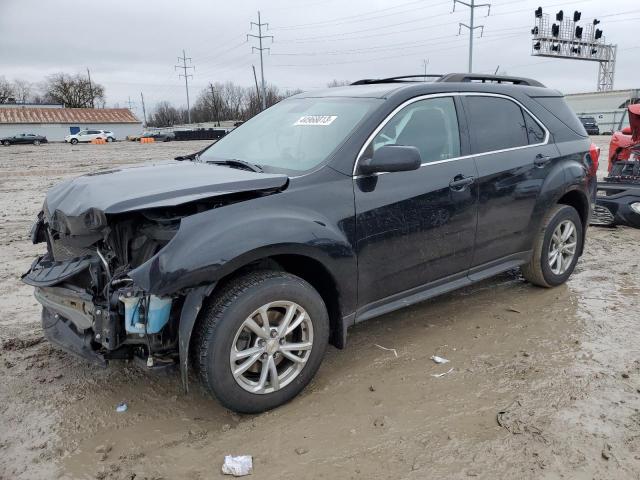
[153,185]
[634,121]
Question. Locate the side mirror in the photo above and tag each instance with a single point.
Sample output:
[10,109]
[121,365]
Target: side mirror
[626,131]
[392,158]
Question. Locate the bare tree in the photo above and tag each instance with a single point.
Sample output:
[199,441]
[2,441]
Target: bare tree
[7,91]
[338,83]
[165,115]
[74,91]
[23,90]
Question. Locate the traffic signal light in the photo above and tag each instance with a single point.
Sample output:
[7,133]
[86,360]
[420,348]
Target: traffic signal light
[576,16]
[575,50]
[559,16]
[598,34]
[536,46]
[578,32]
[555,48]
[596,21]
[539,12]
[534,31]
[555,30]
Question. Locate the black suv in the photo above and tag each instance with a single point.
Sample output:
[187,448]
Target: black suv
[590,125]
[325,210]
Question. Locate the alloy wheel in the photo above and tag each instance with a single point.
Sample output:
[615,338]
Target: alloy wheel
[562,247]
[271,347]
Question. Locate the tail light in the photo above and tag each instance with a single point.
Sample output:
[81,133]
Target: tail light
[594,152]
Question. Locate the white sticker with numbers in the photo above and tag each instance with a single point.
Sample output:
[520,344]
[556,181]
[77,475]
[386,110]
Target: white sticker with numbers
[317,120]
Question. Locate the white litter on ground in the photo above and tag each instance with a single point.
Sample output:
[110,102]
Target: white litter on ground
[439,360]
[438,375]
[237,466]
[122,407]
[387,349]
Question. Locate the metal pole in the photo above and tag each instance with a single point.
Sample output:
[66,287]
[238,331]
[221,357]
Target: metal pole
[144,112]
[472,8]
[90,89]
[255,77]
[264,96]
[186,86]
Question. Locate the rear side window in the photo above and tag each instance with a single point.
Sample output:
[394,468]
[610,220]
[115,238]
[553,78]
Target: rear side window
[495,124]
[559,108]
[535,132]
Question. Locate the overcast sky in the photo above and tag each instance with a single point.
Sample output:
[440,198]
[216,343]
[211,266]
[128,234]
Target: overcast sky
[132,46]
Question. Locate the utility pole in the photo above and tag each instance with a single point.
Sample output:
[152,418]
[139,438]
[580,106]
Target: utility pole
[214,104]
[255,78]
[471,27]
[186,76]
[90,88]
[425,62]
[130,103]
[260,48]
[144,111]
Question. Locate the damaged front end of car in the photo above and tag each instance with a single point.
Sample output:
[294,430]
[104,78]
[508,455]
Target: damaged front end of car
[98,229]
[618,197]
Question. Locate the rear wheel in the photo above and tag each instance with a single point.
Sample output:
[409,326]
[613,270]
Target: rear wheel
[6,143]
[262,340]
[556,248]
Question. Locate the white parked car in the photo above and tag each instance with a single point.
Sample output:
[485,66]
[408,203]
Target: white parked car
[88,135]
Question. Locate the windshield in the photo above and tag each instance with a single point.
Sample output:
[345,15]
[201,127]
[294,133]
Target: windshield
[296,134]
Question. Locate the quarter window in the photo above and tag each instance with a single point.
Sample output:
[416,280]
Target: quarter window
[430,125]
[496,124]
[535,133]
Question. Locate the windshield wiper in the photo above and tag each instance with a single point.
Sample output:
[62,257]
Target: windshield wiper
[234,162]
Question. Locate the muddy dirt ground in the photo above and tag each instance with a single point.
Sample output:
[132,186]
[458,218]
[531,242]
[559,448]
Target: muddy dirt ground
[545,383]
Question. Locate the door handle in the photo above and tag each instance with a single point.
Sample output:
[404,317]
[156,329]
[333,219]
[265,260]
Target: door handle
[541,160]
[459,182]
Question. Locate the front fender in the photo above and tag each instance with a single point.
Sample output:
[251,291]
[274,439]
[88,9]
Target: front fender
[212,244]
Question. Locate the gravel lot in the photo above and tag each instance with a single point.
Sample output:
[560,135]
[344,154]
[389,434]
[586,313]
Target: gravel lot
[545,383]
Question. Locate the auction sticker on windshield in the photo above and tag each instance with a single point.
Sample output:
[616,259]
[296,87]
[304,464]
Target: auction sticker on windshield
[321,120]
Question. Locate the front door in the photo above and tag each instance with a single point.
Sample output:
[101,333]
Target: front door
[416,227]
[513,160]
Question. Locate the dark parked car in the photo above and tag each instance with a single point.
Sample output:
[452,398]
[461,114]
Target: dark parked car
[159,136]
[590,125]
[23,138]
[325,210]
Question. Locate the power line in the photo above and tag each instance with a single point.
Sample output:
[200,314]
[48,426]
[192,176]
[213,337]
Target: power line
[471,27]
[186,76]
[261,49]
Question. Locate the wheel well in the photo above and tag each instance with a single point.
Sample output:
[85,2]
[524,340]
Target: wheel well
[578,201]
[310,270]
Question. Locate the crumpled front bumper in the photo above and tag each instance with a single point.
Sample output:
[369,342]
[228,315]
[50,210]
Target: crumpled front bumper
[614,208]
[63,332]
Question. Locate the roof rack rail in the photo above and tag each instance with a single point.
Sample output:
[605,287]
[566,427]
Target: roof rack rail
[400,79]
[475,77]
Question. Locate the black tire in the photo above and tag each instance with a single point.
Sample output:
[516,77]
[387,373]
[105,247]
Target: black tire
[538,271]
[36,142]
[74,141]
[6,143]
[224,315]
[109,139]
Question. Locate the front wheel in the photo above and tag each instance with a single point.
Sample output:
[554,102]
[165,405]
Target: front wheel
[109,139]
[261,340]
[36,142]
[556,248]
[74,141]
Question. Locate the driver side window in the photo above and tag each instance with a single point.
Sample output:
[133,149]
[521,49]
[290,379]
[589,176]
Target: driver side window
[430,125]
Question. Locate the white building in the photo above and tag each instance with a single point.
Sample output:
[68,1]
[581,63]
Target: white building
[55,122]
[608,108]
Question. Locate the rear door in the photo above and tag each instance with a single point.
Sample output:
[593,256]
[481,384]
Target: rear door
[513,157]
[416,227]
